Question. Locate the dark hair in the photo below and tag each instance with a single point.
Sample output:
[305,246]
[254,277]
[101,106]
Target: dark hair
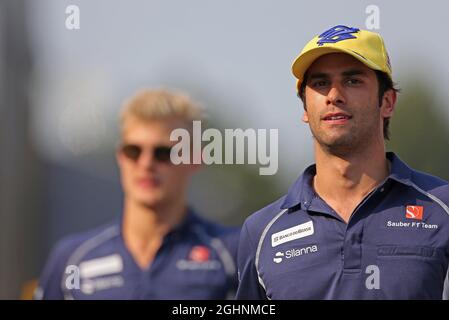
[385,84]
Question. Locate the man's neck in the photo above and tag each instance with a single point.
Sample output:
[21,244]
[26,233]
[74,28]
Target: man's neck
[344,181]
[144,228]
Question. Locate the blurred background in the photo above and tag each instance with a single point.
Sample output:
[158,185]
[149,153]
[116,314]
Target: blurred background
[61,91]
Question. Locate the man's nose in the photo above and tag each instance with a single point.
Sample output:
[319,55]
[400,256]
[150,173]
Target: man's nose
[146,159]
[335,95]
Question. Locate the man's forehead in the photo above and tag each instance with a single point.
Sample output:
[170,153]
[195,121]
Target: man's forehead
[151,125]
[150,131]
[337,63]
[146,128]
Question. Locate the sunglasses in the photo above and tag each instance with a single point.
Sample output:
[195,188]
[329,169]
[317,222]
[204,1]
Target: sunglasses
[134,151]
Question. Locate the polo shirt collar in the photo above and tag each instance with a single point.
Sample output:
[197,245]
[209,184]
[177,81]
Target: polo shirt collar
[302,193]
[183,228]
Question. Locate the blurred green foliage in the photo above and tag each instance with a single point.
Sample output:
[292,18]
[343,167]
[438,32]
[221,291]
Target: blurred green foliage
[419,129]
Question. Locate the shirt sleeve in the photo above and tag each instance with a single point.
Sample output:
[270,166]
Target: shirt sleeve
[50,282]
[249,287]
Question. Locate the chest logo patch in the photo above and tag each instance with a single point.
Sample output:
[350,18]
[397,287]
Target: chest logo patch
[101,266]
[414,212]
[199,254]
[293,233]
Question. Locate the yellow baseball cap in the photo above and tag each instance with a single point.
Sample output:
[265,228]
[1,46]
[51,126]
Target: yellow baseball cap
[366,46]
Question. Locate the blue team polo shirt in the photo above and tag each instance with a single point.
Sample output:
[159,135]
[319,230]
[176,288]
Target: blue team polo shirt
[395,245]
[196,261]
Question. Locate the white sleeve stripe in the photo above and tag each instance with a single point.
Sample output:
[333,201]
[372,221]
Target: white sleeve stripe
[431,196]
[83,249]
[221,250]
[223,253]
[259,246]
[445,208]
[446,286]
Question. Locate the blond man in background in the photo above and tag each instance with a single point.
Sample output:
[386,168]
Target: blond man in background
[159,248]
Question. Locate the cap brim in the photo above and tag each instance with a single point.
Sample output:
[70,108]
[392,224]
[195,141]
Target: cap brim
[305,60]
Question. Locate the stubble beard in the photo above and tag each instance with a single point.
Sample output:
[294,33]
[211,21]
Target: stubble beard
[354,141]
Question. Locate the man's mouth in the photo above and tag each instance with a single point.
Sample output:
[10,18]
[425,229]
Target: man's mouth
[337,118]
[147,182]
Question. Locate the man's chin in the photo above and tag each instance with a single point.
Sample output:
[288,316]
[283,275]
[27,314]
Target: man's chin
[338,145]
[150,202]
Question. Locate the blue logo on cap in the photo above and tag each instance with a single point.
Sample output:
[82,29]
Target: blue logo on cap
[336,34]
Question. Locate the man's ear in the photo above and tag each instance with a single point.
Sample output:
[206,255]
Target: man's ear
[305,116]
[388,103]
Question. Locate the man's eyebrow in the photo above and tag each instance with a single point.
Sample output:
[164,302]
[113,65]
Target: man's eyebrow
[324,75]
[318,75]
[353,72]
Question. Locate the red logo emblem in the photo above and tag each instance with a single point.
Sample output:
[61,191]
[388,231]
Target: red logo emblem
[414,212]
[199,254]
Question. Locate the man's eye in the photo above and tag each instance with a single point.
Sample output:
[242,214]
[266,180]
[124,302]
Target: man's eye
[353,81]
[320,83]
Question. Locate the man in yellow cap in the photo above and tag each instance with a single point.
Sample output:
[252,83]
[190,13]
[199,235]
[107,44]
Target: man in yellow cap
[359,223]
